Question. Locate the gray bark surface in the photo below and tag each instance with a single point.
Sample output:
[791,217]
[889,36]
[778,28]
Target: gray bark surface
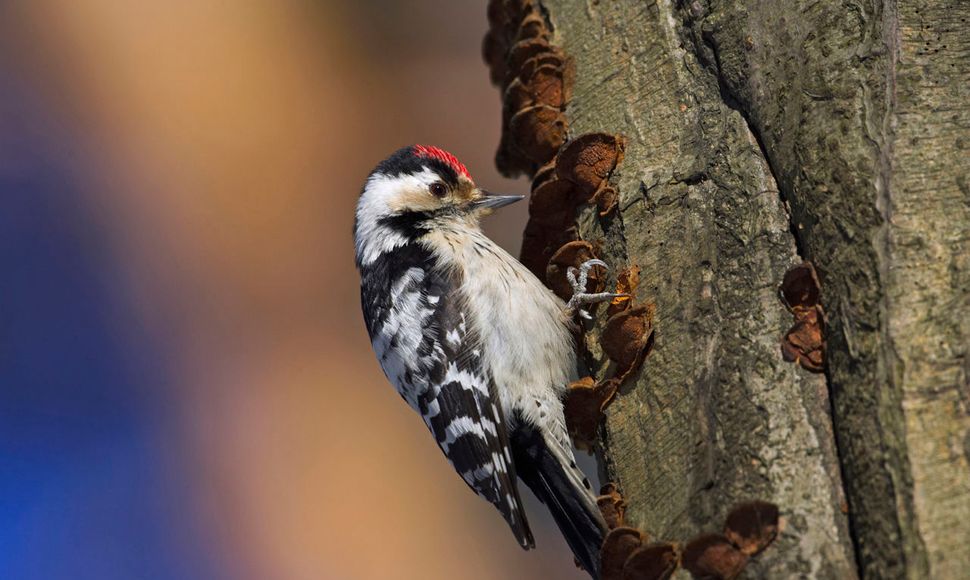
[761,133]
[716,415]
[863,111]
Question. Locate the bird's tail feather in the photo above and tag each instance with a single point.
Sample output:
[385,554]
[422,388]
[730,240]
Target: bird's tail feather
[556,482]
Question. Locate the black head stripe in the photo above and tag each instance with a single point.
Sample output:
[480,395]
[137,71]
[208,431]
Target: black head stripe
[410,224]
[401,162]
[405,161]
[444,171]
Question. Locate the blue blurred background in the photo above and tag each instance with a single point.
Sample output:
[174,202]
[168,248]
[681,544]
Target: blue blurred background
[87,485]
[186,388]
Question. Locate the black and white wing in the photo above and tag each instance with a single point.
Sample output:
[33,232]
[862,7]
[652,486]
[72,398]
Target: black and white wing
[429,349]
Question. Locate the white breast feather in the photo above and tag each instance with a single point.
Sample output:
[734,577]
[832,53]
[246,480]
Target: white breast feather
[526,342]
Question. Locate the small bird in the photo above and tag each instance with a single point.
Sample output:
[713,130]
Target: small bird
[473,341]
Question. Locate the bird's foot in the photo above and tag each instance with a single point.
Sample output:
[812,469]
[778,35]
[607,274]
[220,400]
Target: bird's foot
[580,296]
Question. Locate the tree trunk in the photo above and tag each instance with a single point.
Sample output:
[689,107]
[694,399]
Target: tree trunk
[755,135]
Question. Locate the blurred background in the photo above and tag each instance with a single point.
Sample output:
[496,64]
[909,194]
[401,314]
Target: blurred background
[186,385]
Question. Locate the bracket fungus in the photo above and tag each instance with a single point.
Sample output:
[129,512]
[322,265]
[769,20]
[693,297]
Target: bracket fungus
[628,554]
[578,174]
[751,526]
[619,545]
[535,79]
[627,281]
[656,561]
[612,505]
[712,556]
[538,131]
[549,205]
[748,529]
[588,161]
[607,200]
[583,409]
[804,342]
[627,338]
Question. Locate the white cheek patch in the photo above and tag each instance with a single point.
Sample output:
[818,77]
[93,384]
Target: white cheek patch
[382,196]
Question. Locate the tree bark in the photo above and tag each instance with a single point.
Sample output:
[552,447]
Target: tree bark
[758,134]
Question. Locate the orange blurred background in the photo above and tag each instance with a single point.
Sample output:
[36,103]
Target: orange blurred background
[186,386]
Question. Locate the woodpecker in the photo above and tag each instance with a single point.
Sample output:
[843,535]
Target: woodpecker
[473,341]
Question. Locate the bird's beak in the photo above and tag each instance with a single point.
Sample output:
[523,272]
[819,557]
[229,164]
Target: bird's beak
[489,200]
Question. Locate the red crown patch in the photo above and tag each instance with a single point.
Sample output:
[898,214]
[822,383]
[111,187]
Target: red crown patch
[442,155]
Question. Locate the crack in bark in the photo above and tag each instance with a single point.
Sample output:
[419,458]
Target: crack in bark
[707,193]
[714,67]
[732,102]
[729,100]
[699,83]
[884,203]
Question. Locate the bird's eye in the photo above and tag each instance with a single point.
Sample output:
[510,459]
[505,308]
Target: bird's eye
[438,189]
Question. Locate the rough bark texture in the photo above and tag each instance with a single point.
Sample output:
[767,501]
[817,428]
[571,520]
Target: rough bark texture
[862,108]
[760,133]
[716,416]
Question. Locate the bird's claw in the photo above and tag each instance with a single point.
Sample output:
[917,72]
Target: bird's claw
[580,296]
